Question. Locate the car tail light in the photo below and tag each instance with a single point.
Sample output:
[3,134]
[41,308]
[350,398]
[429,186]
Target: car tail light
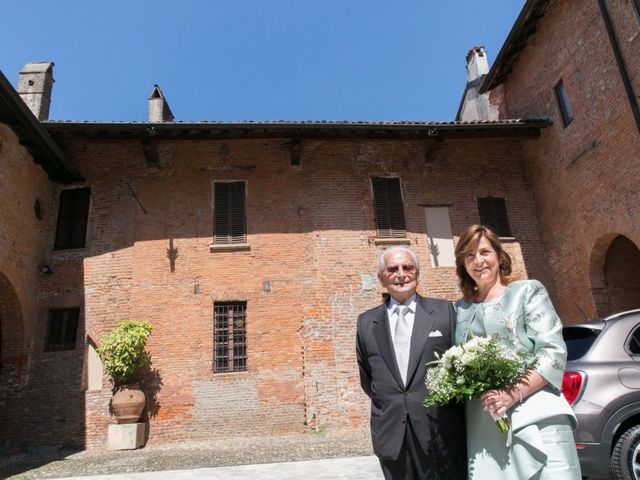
[572,385]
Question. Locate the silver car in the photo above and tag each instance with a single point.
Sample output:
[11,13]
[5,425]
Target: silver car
[602,384]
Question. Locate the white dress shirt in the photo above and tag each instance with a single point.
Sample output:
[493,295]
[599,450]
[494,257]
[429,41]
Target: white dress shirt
[409,316]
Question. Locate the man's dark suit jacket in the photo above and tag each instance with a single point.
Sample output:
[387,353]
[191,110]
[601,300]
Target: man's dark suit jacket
[439,429]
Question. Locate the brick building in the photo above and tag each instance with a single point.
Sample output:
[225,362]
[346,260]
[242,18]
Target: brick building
[251,246]
[577,63]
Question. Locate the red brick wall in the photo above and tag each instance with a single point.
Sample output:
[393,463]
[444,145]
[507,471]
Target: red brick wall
[22,242]
[584,176]
[311,232]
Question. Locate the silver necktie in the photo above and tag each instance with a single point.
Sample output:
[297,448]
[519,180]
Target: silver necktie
[402,341]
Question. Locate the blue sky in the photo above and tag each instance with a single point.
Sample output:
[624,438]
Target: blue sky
[237,60]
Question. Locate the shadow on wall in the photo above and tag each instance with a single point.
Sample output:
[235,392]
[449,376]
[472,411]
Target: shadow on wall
[13,367]
[151,386]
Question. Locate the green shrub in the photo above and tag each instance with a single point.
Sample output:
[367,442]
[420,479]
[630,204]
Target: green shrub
[123,351]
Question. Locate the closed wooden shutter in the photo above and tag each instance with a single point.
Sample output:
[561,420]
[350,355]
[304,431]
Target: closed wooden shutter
[71,231]
[493,214]
[229,213]
[389,210]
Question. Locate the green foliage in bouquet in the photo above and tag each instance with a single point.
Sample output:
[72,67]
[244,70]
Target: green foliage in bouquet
[123,351]
[468,370]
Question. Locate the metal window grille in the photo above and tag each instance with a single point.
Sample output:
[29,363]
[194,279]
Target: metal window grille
[229,337]
[62,329]
[71,231]
[229,213]
[389,211]
[493,214]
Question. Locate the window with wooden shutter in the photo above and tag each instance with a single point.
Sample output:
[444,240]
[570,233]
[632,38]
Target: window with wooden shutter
[563,103]
[389,211]
[71,231]
[493,214]
[229,216]
[62,329]
[229,337]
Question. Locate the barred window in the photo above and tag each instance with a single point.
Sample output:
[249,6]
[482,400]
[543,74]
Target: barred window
[62,329]
[493,214]
[229,337]
[389,212]
[71,231]
[229,216]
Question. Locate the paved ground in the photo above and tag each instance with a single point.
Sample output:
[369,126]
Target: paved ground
[306,456]
[353,468]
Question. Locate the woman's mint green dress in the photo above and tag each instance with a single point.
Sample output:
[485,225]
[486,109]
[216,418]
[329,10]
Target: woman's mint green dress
[540,444]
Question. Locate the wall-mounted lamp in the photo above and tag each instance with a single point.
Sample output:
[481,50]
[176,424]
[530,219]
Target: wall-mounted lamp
[45,269]
[266,286]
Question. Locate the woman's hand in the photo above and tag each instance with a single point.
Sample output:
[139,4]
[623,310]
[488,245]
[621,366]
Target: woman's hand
[498,401]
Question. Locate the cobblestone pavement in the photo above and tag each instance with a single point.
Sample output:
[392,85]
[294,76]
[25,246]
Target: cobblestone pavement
[221,452]
[346,468]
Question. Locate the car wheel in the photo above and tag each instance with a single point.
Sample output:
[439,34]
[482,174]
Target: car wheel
[625,459]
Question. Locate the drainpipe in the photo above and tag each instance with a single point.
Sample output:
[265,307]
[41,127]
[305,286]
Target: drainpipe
[633,100]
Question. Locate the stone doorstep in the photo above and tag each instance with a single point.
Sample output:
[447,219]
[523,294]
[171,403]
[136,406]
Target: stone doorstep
[125,436]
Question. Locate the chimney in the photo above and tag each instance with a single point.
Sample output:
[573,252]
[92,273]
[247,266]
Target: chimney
[477,65]
[474,106]
[159,110]
[34,86]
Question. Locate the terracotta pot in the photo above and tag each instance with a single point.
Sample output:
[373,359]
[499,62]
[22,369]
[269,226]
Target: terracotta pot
[127,404]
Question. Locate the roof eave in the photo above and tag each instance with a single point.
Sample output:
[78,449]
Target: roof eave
[32,135]
[347,130]
[524,26]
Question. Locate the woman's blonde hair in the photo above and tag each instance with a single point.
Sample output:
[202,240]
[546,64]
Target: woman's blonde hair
[468,243]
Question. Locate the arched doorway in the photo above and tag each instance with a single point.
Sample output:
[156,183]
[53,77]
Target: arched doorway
[615,282]
[13,364]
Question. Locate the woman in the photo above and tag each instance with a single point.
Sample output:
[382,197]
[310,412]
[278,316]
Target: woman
[540,444]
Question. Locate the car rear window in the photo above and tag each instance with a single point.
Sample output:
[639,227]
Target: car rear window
[579,341]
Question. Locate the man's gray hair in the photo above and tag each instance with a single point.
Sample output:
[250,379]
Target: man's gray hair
[395,249]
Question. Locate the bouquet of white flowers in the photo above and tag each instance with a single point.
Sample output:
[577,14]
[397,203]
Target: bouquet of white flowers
[466,371]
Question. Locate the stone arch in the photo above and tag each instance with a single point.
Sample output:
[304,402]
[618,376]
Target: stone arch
[615,283]
[13,362]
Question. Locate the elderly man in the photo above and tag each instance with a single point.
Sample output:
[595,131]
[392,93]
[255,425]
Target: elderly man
[394,342]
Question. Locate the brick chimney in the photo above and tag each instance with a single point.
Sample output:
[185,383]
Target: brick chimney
[34,86]
[475,106]
[159,110]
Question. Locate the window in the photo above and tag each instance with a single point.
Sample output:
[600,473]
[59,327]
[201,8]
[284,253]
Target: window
[578,341]
[62,327]
[72,218]
[493,214]
[563,104]
[633,344]
[389,212]
[229,337]
[229,216]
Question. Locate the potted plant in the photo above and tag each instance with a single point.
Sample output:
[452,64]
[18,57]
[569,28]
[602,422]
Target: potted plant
[124,357]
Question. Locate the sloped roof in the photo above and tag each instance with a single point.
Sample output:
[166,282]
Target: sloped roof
[525,25]
[31,134]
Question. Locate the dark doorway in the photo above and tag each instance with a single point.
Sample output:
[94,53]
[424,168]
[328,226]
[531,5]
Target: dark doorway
[621,268]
